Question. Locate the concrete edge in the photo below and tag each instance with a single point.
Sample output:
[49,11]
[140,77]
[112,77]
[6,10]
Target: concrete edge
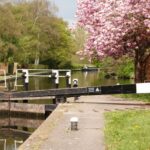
[35,141]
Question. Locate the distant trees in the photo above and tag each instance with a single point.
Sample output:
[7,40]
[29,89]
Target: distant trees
[9,34]
[31,33]
[79,37]
[116,28]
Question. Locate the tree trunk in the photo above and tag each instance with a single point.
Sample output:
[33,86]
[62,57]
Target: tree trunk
[140,68]
[37,59]
[36,62]
[139,72]
[147,68]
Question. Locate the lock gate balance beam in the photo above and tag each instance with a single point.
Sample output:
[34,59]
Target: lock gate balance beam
[71,92]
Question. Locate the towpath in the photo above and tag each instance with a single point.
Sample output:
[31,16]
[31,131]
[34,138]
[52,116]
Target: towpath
[55,132]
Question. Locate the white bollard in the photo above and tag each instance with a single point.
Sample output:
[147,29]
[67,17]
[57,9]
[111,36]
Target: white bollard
[75,82]
[75,85]
[74,123]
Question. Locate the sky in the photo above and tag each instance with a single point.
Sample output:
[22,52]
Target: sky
[67,9]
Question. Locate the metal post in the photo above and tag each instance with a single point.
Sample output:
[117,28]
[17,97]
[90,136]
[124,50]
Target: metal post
[74,123]
[68,79]
[26,78]
[75,84]
[55,78]
[26,81]
[5,79]
[54,101]
[55,83]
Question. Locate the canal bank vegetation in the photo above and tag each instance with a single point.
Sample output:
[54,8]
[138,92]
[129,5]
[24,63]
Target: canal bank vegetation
[127,130]
[122,68]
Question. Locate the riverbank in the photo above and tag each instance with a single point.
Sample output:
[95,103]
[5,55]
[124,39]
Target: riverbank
[55,132]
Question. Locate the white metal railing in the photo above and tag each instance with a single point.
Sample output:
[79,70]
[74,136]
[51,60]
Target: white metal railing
[36,74]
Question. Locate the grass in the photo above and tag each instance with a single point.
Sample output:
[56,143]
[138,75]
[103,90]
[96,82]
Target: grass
[139,97]
[127,130]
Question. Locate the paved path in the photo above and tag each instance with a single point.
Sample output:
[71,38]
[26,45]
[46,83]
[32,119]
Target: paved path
[55,133]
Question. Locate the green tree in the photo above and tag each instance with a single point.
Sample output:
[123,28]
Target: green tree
[34,34]
[79,37]
[9,34]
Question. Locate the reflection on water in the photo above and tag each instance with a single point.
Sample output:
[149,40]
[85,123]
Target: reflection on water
[19,128]
[11,135]
[96,79]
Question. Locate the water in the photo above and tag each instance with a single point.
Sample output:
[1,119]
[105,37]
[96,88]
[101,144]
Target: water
[85,79]
[17,127]
[96,79]
[14,127]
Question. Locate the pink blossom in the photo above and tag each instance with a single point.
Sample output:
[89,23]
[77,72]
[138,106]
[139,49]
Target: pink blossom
[109,21]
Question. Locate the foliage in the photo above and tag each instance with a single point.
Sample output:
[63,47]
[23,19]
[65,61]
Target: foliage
[33,34]
[9,34]
[107,22]
[125,68]
[40,66]
[107,62]
[79,37]
[116,28]
[127,130]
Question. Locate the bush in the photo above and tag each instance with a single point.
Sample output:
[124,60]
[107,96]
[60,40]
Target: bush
[40,66]
[125,68]
[65,65]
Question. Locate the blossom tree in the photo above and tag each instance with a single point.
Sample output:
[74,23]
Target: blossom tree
[116,28]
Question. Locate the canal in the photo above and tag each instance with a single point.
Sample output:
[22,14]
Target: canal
[18,127]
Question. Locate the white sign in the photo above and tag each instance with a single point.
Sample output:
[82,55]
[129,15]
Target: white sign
[142,88]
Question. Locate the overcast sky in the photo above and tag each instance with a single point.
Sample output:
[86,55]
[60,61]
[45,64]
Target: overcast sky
[67,9]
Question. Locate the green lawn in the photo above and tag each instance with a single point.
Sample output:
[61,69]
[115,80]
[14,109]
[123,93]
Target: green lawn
[139,97]
[127,130]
